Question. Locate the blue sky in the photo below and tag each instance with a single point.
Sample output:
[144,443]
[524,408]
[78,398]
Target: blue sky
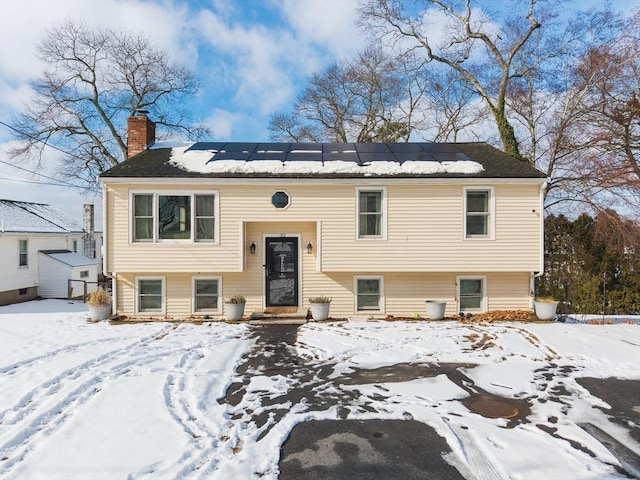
[252,57]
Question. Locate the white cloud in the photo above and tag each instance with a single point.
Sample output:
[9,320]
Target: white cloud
[23,24]
[326,23]
[222,123]
[257,63]
[17,183]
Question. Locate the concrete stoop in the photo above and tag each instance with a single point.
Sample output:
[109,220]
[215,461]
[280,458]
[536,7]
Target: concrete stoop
[275,317]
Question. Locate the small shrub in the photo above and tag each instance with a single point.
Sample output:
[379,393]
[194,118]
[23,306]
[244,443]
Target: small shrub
[320,300]
[237,299]
[546,300]
[99,297]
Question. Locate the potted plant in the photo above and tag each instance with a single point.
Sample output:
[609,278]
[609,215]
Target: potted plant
[99,304]
[320,307]
[545,308]
[435,309]
[234,307]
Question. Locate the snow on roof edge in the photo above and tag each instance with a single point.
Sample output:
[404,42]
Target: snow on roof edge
[199,161]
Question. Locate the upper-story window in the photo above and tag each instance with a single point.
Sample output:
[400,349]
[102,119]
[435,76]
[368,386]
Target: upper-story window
[478,212]
[371,213]
[160,217]
[23,253]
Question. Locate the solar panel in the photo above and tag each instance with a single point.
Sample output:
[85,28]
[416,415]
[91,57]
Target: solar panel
[345,157]
[405,147]
[304,157]
[267,155]
[240,147]
[230,156]
[207,146]
[338,147]
[372,147]
[366,157]
[273,147]
[414,156]
[306,146]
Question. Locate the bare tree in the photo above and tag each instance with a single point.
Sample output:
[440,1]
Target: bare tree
[483,56]
[582,112]
[452,108]
[371,99]
[94,80]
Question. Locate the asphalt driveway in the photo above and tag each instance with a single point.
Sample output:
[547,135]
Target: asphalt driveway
[407,449]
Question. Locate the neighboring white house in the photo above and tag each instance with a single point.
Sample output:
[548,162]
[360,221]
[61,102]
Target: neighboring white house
[26,229]
[57,267]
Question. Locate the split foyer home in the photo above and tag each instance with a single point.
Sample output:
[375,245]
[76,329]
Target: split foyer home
[379,228]
[46,253]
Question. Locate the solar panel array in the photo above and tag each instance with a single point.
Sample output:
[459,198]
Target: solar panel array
[360,153]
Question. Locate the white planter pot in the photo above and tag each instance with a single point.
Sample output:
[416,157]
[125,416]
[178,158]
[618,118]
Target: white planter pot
[233,311]
[435,309]
[99,312]
[320,311]
[545,310]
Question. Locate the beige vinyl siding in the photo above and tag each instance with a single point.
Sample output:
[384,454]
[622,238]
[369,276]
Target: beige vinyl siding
[425,233]
[508,291]
[404,293]
[424,230]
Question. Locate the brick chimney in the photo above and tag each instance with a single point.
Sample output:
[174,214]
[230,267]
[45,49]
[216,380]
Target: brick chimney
[141,133]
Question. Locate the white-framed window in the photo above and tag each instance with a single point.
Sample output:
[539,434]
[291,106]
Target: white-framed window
[206,294]
[174,216]
[84,273]
[150,294]
[75,246]
[472,294]
[23,253]
[479,212]
[371,213]
[369,295]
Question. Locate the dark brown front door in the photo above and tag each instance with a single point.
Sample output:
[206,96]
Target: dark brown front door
[281,270]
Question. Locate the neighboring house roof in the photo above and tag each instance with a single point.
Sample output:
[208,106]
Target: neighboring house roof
[69,258]
[27,217]
[322,160]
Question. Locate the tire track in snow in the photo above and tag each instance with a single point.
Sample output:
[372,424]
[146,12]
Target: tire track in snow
[51,355]
[40,412]
[476,458]
[211,441]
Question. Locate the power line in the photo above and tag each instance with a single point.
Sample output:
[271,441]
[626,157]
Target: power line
[40,140]
[60,182]
[24,180]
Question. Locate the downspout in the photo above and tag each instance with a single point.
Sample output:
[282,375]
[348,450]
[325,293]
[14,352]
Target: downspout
[105,225]
[114,293]
[540,272]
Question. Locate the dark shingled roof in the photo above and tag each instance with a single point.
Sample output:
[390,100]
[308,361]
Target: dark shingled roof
[154,162]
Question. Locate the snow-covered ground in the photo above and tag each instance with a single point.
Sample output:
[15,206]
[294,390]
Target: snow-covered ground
[83,400]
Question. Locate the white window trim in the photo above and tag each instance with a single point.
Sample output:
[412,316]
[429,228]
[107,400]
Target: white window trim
[193,295]
[383,220]
[492,213]
[483,304]
[381,300]
[190,193]
[164,295]
[26,240]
